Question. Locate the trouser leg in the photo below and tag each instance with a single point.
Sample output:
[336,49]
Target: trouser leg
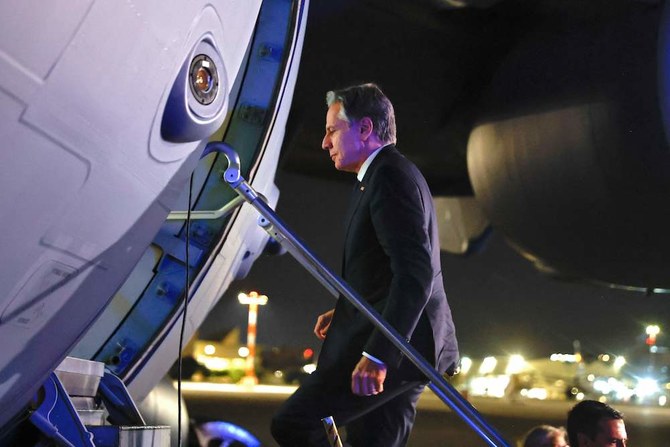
[298,421]
[388,425]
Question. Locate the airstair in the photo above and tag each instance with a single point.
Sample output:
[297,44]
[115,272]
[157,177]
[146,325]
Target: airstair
[82,404]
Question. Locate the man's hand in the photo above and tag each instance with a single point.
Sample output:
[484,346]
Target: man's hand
[323,323]
[368,378]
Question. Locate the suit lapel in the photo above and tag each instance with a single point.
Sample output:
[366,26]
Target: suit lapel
[356,195]
[360,188]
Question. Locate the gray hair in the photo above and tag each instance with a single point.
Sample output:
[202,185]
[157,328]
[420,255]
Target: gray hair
[366,100]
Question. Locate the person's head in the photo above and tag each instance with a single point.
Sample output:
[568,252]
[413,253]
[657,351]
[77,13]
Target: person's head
[595,424]
[359,120]
[545,436]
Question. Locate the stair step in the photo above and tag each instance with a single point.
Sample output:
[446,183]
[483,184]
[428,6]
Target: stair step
[124,436]
[80,377]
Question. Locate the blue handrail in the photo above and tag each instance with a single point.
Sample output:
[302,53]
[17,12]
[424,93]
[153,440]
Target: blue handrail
[276,228]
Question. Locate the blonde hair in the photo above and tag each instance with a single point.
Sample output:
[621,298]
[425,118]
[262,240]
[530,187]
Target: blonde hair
[540,435]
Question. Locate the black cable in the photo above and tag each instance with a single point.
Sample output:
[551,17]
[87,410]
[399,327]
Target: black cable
[187,293]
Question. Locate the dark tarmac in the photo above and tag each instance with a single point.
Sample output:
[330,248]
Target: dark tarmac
[436,425]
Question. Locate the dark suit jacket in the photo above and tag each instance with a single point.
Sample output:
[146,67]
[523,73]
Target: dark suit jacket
[392,259]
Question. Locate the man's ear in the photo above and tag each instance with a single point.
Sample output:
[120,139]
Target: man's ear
[366,127]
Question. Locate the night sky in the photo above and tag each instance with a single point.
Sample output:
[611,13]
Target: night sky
[500,303]
[442,70]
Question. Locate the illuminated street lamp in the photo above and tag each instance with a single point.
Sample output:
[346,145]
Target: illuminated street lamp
[253,299]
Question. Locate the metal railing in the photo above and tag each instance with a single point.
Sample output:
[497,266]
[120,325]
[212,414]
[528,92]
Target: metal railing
[208,215]
[276,228]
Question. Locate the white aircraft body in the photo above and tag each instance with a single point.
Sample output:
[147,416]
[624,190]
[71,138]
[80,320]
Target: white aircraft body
[105,110]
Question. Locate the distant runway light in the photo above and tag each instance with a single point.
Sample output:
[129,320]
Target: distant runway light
[646,387]
[488,365]
[619,362]
[466,364]
[566,358]
[537,393]
[515,364]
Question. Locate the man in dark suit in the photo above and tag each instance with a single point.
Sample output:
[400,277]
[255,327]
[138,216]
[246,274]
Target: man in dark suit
[391,259]
[594,424]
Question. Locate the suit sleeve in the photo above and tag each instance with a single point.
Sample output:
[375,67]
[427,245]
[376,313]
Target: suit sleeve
[400,219]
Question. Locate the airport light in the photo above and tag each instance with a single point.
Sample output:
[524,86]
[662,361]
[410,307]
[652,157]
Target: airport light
[253,300]
[488,365]
[210,349]
[652,331]
[515,364]
[646,387]
[619,362]
[466,364]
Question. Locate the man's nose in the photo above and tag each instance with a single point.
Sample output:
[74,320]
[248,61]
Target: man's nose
[325,144]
